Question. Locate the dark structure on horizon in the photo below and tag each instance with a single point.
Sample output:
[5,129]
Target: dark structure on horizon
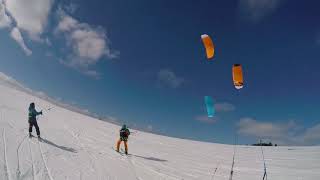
[264,144]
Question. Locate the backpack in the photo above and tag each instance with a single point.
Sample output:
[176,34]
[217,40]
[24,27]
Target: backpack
[123,133]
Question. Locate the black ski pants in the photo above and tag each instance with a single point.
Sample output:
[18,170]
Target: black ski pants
[35,124]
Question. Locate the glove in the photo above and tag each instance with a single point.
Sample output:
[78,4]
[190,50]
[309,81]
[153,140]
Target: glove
[41,112]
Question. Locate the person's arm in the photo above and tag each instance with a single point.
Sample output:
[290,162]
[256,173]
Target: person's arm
[37,113]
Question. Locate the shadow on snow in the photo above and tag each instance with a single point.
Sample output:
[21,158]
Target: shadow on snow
[57,146]
[150,158]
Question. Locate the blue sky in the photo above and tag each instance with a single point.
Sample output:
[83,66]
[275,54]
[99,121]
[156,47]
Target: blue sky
[143,63]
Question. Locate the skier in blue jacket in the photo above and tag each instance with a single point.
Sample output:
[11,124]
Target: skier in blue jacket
[33,119]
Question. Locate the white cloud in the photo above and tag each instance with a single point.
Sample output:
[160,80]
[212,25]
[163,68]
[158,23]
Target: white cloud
[206,119]
[30,15]
[224,107]
[16,35]
[258,9]
[5,20]
[251,127]
[169,78]
[312,134]
[88,44]
[288,133]
[67,23]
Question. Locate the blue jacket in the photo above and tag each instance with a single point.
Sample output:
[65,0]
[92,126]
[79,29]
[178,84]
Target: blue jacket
[33,114]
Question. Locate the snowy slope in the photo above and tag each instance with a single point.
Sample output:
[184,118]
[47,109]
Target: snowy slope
[76,146]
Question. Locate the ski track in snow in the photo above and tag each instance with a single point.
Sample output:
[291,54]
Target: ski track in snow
[132,167]
[145,167]
[75,136]
[32,161]
[91,155]
[6,165]
[44,161]
[18,173]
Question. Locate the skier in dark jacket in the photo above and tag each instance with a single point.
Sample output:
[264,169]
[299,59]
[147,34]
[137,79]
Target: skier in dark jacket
[33,119]
[124,135]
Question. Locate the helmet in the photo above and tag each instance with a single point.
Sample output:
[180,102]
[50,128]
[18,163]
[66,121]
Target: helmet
[124,126]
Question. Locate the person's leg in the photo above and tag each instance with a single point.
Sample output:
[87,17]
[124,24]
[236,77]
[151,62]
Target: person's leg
[126,146]
[118,144]
[37,128]
[30,127]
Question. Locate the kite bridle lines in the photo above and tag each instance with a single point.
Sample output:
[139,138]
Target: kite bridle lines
[234,152]
[265,177]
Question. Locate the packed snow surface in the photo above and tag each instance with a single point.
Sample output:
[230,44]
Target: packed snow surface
[76,146]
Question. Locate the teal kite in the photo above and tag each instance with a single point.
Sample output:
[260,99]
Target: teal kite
[209,105]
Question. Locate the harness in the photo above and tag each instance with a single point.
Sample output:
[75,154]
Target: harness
[124,134]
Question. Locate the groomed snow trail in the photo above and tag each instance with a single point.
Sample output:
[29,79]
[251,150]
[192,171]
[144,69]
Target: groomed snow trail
[75,146]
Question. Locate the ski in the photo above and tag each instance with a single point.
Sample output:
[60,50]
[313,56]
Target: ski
[32,136]
[119,152]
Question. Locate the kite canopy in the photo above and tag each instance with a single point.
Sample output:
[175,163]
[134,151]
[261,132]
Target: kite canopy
[237,76]
[209,105]
[208,44]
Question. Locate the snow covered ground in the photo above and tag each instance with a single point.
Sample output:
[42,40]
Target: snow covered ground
[76,146]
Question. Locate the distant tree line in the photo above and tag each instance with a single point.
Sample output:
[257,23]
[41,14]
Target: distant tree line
[264,144]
